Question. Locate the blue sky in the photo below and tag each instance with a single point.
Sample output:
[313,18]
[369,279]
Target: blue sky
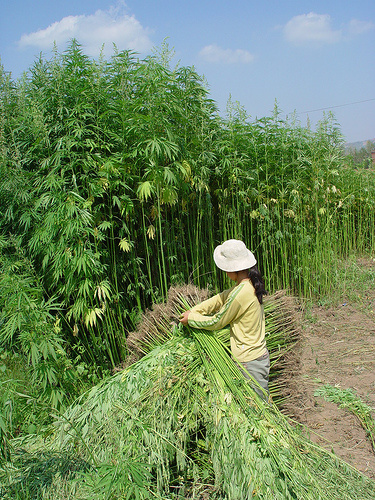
[308,55]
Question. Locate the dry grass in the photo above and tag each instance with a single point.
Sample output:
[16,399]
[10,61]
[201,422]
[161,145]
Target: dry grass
[148,330]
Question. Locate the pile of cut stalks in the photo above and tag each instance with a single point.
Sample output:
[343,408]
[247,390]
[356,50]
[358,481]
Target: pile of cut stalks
[182,422]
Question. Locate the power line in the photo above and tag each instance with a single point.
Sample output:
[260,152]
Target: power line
[333,107]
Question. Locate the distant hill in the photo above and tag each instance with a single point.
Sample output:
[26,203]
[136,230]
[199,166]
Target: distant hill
[357,145]
[361,152]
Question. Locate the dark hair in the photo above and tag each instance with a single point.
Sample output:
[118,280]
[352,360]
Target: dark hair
[257,280]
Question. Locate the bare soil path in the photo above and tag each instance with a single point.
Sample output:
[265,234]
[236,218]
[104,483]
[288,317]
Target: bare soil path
[337,347]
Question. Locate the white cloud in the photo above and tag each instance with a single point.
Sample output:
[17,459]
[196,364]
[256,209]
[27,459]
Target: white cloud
[215,54]
[357,27]
[311,28]
[92,31]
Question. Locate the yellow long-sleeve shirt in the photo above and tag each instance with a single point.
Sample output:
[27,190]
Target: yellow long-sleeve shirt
[239,308]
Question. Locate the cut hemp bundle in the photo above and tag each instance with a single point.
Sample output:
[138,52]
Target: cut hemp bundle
[183,422]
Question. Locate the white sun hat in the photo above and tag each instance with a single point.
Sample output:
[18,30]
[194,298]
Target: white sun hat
[233,256]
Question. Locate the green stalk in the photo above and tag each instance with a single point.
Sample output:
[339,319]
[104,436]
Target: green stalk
[162,270]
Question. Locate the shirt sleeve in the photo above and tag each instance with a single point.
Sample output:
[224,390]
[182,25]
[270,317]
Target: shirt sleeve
[211,305]
[216,314]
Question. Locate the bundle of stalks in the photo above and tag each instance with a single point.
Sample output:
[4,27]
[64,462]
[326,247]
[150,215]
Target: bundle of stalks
[156,324]
[282,331]
[183,422]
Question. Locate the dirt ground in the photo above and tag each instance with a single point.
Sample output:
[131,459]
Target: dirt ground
[337,346]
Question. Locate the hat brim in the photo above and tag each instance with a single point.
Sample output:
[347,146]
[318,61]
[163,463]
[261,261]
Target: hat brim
[233,265]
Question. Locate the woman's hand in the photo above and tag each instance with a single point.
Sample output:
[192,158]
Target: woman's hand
[184,318]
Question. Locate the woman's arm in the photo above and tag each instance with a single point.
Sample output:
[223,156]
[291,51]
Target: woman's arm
[213,304]
[207,307]
[221,318]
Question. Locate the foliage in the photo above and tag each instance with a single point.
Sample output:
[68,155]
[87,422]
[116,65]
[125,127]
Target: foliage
[185,414]
[32,473]
[31,322]
[19,411]
[362,157]
[36,372]
[118,178]
[348,400]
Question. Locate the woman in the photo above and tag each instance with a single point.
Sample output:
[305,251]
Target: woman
[241,308]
